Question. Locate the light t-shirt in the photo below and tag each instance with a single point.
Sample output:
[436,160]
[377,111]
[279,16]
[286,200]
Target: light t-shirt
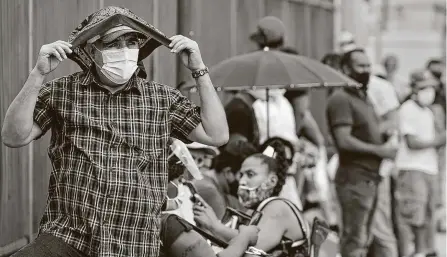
[384,99]
[281,122]
[419,122]
[382,95]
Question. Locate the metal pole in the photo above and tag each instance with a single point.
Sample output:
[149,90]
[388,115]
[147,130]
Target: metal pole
[268,112]
[30,231]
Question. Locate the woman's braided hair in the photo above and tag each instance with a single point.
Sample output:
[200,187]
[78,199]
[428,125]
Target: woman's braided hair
[278,164]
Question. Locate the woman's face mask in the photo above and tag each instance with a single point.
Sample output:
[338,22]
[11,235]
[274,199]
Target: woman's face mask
[426,96]
[255,184]
[250,197]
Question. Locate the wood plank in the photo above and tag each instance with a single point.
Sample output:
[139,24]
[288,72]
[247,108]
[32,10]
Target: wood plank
[13,247]
[13,162]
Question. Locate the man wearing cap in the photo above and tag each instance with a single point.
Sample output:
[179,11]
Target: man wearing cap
[417,162]
[246,112]
[109,135]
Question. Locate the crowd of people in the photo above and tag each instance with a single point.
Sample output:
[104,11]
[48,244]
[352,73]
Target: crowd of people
[119,188]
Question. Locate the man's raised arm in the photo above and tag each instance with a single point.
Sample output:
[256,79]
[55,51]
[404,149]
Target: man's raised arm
[19,127]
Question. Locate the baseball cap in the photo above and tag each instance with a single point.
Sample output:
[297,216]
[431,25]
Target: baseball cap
[423,78]
[347,42]
[114,33]
[270,30]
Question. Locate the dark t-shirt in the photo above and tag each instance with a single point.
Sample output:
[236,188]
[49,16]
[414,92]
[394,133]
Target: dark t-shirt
[349,108]
[241,117]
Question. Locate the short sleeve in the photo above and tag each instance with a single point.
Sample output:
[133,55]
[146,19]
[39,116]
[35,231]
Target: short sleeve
[184,116]
[43,114]
[383,96]
[408,121]
[338,111]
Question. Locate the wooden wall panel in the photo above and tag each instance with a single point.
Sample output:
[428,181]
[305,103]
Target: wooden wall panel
[53,20]
[248,14]
[165,63]
[322,42]
[14,25]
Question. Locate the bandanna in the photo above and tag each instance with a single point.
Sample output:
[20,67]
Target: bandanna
[105,19]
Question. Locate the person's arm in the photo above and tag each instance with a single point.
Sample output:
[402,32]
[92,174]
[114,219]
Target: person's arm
[415,143]
[408,128]
[213,129]
[28,117]
[340,119]
[272,225]
[311,131]
[192,244]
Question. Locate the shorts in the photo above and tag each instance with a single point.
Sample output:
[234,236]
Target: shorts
[416,197]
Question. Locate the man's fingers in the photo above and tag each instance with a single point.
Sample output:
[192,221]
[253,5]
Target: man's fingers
[200,200]
[174,40]
[180,48]
[66,48]
[60,51]
[177,44]
[55,53]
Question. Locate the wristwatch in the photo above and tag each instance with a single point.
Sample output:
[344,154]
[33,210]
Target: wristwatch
[200,73]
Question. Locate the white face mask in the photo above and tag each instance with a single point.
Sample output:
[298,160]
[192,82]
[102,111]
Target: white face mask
[119,64]
[426,96]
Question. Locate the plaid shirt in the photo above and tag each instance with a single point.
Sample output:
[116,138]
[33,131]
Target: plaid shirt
[109,156]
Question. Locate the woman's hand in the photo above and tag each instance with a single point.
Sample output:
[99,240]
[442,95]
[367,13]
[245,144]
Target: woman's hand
[204,215]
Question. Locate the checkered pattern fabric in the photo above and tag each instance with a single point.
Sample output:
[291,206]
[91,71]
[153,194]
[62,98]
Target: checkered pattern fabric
[109,155]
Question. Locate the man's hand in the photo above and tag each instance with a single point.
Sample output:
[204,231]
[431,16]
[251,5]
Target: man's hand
[389,149]
[204,215]
[51,55]
[189,52]
[250,233]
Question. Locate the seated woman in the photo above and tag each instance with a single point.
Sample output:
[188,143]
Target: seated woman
[177,235]
[262,177]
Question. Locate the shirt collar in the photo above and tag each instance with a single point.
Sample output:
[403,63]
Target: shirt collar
[90,77]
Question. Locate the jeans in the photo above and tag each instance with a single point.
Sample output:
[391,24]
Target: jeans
[47,245]
[384,242]
[358,200]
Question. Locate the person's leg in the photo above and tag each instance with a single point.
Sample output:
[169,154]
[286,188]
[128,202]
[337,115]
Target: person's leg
[431,218]
[47,245]
[441,223]
[384,243]
[408,209]
[357,201]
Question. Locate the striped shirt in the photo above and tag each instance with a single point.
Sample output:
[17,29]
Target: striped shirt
[109,155]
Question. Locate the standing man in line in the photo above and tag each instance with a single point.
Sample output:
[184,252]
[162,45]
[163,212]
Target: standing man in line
[356,132]
[109,136]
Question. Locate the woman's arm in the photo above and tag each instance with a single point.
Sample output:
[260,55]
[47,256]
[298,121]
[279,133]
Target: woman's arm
[272,225]
[192,244]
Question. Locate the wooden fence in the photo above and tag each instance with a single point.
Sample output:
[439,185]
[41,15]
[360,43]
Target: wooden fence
[221,27]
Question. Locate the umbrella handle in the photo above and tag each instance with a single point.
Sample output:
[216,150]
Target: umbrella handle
[268,112]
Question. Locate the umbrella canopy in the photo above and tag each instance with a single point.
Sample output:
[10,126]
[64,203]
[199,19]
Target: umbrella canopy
[272,67]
